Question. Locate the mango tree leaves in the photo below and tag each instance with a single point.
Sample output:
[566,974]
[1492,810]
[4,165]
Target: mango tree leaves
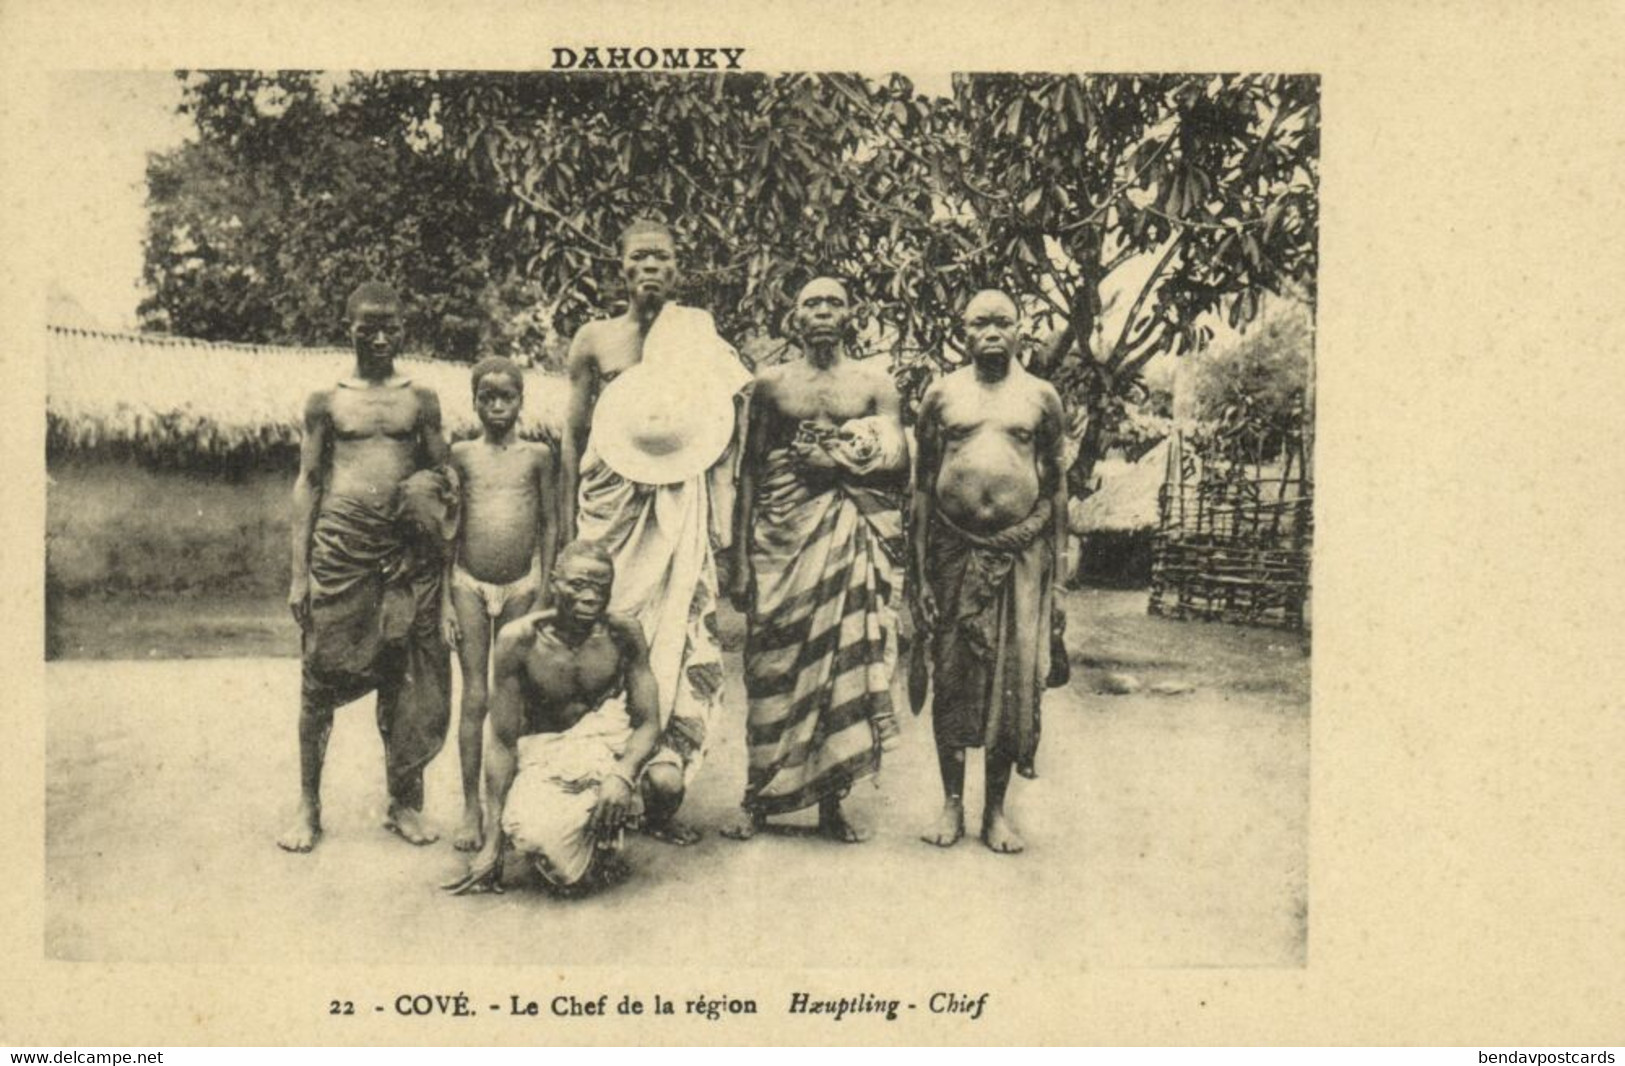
[480,192]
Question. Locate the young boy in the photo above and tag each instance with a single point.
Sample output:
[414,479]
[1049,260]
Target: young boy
[505,548]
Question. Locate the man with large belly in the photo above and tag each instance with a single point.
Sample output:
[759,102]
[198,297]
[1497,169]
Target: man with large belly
[988,528]
[371,518]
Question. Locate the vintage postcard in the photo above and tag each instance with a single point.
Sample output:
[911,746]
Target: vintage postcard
[919,525]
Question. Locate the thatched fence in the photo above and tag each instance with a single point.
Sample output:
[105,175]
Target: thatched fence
[171,461]
[172,402]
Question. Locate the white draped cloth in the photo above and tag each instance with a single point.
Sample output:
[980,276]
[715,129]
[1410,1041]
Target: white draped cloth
[663,540]
[556,788]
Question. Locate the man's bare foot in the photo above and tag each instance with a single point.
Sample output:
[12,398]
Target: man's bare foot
[302,835]
[469,836]
[407,824]
[1001,837]
[743,826]
[949,828]
[672,832]
[832,824]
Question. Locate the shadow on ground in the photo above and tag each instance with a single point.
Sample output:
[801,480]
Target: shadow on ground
[1165,830]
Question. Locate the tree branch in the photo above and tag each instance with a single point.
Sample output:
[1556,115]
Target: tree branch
[1128,252]
[880,126]
[1135,363]
[1111,197]
[536,205]
[1118,352]
[1055,305]
[1145,334]
[1063,341]
[1195,224]
[1145,291]
[682,172]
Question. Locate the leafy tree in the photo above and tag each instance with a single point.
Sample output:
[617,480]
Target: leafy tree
[296,190]
[207,266]
[1047,185]
[765,179]
[495,200]
[1251,394]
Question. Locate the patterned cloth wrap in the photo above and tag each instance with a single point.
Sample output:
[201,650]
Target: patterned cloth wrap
[821,647]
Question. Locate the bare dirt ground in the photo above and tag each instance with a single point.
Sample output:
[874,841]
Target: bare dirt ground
[1166,830]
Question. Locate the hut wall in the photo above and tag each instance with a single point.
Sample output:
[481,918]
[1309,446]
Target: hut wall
[1116,558]
[115,526]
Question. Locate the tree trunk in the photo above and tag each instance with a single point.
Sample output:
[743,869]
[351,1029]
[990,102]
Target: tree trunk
[1079,480]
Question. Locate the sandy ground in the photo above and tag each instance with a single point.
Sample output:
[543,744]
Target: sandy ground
[1165,831]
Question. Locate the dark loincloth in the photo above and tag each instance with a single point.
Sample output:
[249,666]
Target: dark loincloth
[994,595]
[375,621]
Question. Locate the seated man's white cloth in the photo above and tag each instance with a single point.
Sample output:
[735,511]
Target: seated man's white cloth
[556,787]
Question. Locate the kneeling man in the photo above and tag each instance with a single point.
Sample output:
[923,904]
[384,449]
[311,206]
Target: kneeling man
[574,717]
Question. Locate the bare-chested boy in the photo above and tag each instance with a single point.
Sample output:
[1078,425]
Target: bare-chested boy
[366,576]
[574,718]
[505,549]
[988,526]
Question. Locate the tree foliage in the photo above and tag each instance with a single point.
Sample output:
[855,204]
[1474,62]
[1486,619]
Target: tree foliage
[765,179]
[496,199]
[292,193]
[1250,395]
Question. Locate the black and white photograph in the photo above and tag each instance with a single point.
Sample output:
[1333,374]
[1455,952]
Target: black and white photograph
[876,525]
[514,516]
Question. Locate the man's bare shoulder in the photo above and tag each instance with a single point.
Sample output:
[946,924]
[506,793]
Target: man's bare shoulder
[518,635]
[950,383]
[540,452]
[425,395]
[931,397]
[588,339]
[875,374]
[1047,394]
[776,372]
[625,631]
[319,402]
[592,328]
[769,382]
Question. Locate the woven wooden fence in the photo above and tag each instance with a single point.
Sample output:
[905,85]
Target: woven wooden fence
[1232,541]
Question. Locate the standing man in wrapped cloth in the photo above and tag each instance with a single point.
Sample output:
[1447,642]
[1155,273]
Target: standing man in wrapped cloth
[372,519]
[988,526]
[819,543]
[648,455]
[574,719]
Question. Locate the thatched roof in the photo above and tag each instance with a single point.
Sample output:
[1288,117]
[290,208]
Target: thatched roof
[184,401]
[1127,497]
